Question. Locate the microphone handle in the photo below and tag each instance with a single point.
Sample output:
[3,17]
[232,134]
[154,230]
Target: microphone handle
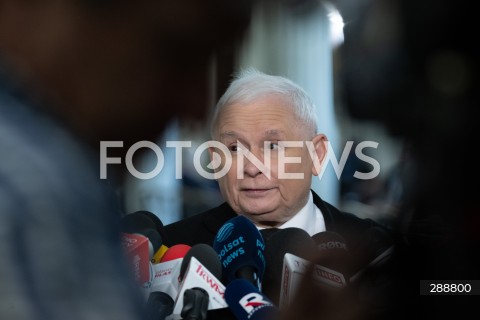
[249,273]
[159,306]
[195,304]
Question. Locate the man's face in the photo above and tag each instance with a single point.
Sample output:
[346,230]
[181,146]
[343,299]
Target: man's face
[245,128]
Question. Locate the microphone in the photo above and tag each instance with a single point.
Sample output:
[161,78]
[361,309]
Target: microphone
[157,257]
[195,304]
[247,302]
[175,252]
[165,283]
[138,222]
[268,232]
[135,221]
[333,252]
[154,240]
[329,256]
[289,240]
[240,247]
[205,255]
[137,227]
[138,248]
[200,290]
[145,263]
[153,218]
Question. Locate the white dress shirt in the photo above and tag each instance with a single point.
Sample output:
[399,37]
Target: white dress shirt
[309,218]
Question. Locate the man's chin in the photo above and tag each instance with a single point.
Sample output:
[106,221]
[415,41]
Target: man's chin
[265,219]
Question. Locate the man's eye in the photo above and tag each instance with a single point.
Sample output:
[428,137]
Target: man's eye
[273,145]
[233,148]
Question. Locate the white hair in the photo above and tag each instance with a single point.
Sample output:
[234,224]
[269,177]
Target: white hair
[249,84]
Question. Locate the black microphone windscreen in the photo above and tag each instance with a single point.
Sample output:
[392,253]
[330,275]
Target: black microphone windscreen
[289,240]
[154,237]
[206,255]
[333,252]
[195,304]
[159,306]
[155,219]
[268,232]
[136,222]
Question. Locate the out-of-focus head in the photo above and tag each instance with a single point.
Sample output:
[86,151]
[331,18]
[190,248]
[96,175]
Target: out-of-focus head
[262,113]
[118,70]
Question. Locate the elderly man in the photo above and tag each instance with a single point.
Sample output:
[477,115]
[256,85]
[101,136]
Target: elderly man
[266,128]
[262,116]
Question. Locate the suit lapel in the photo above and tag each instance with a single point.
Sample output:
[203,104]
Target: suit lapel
[327,213]
[214,221]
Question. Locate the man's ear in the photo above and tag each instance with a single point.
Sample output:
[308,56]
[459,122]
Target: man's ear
[319,152]
[210,152]
[215,158]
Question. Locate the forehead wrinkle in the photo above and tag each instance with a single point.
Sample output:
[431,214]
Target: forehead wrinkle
[228,135]
[271,133]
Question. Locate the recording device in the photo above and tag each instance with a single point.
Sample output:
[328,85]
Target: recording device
[200,288]
[165,283]
[294,271]
[195,304]
[154,240]
[157,257]
[140,248]
[136,221]
[268,232]
[333,252]
[289,240]
[139,222]
[327,267]
[136,248]
[142,240]
[240,247]
[178,251]
[247,302]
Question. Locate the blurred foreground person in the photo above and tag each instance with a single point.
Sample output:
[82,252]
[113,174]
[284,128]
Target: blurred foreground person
[72,74]
[413,66]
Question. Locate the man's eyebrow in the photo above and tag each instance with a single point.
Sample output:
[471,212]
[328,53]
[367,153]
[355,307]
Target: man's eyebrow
[274,133]
[228,135]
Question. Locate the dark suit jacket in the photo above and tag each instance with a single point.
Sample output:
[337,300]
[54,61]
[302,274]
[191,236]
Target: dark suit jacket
[202,228]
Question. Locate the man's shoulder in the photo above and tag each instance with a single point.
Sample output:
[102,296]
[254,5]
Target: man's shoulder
[338,220]
[198,228]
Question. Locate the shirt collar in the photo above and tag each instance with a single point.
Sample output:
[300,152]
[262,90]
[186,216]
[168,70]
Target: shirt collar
[309,218]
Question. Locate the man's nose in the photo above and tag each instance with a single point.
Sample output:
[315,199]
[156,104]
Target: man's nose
[253,168]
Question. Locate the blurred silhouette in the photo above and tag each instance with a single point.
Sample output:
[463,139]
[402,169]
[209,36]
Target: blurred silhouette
[413,66]
[74,73]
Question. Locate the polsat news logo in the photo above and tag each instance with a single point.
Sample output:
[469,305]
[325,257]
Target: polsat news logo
[252,302]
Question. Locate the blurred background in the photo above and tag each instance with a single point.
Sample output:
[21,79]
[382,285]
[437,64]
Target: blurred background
[400,73]
[300,40]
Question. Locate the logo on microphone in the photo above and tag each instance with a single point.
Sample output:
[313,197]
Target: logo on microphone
[224,232]
[252,302]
